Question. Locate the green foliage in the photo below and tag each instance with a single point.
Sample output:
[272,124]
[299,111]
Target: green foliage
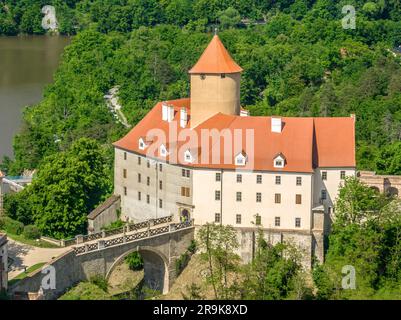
[31,232]
[192,247]
[366,235]
[86,291]
[218,244]
[100,282]
[114,225]
[65,189]
[11,226]
[134,261]
[181,262]
[273,272]
[194,292]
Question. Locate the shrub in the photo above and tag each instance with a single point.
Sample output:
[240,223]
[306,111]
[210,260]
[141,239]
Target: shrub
[181,262]
[100,282]
[31,232]
[11,226]
[192,247]
[134,261]
[114,225]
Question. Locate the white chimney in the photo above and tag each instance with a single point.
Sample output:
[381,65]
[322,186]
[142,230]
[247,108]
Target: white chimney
[164,111]
[244,113]
[183,118]
[276,125]
[170,113]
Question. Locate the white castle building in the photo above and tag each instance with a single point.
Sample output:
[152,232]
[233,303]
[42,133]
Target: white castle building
[205,158]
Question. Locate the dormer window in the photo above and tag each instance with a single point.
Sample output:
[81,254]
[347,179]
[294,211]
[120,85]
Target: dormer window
[142,144]
[188,156]
[240,159]
[279,161]
[163,150]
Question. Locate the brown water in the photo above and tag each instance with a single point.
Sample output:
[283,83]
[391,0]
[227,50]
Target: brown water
[27,65]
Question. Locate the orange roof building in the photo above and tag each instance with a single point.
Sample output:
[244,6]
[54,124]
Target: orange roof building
[206,158]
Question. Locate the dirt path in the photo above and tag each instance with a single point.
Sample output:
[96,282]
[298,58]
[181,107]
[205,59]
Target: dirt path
[24,255]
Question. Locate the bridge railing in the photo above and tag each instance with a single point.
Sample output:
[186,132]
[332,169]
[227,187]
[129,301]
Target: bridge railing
[101,244]
[120,230]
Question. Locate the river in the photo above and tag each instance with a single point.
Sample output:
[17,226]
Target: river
[27,64]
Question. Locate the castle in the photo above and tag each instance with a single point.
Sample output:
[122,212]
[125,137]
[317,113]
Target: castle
[206,158]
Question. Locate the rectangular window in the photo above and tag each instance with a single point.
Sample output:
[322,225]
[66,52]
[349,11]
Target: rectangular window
[324,175]
[342,175]
[185,192]
[278,179]
[259,179]
[277,198]
[277,221]
[160,167]
[238,219]
[139,177]
[161,185]
[218,176]
[160,203]
[185,173]
[139,160]
[148,181]
[148,164]
[298,222]
[139,196]
[125,156]
[239,178]
[125,191]
[217,195]
[124,173]
[239,196]
[324,194]
[258,220]
[258,197]
[217,217]
[299,181]
[147,198]
[298,199]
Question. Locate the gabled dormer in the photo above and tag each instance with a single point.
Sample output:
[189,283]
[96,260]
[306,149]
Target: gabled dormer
[142,144]
[240,159]
[163,150]
[279,161]
[188,156]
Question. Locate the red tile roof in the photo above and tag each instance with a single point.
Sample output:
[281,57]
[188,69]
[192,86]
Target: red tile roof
[216,59]
[305,143]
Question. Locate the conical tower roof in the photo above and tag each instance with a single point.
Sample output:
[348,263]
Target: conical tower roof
[216,59]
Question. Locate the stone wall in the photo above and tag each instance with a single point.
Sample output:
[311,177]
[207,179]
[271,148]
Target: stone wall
[159,252]
[305,241]
[383,183]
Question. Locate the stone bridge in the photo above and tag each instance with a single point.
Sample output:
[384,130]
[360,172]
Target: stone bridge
[159,246]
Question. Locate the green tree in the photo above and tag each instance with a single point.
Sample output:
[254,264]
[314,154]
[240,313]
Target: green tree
[67,187]
[218,244]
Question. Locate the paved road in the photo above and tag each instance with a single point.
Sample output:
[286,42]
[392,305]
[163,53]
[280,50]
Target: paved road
[26,256]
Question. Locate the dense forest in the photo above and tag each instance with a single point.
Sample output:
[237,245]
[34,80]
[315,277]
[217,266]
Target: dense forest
[298,60]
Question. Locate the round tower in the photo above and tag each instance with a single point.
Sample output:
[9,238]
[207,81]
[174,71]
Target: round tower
[215,84]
